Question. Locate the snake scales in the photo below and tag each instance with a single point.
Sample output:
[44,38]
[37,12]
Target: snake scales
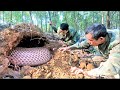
[29,56]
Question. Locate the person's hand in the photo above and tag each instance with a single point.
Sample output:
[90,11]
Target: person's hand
[64,48]
[91,74]
[98,58]
[50,23]
[62,43]
[76,70]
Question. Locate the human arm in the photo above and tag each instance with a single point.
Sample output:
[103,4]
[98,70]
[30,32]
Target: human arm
[79,44]
[110,67]
[82,44]
[53,27]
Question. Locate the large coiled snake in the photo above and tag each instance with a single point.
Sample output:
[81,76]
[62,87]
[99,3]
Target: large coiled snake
[29,56]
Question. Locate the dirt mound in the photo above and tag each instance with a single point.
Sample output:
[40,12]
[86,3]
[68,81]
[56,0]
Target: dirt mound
[59,66]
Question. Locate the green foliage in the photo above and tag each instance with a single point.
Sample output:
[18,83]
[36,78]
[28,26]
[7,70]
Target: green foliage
[16,17]
[79,20]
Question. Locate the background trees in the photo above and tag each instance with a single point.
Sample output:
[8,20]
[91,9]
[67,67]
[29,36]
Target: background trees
[76,19]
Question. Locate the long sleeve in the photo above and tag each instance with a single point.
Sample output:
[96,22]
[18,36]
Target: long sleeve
[54,28]
[111,66]
[82,44]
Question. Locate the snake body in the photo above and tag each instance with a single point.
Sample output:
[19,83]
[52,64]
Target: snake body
[29,56]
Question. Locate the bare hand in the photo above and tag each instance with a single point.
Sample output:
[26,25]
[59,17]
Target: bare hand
[98,58]
[50,23]
[76,70]
[61,42]
[64,49]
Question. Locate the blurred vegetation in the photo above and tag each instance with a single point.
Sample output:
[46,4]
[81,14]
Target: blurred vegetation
[79,20]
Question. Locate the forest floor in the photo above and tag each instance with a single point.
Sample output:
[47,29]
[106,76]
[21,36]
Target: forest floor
[58,67]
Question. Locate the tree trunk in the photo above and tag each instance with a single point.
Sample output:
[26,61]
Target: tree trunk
[66,16]
[22,17]
[93,17]
[102,17]
[31,16]
[46,21]
[41,24]
[3,16]
[49,13]
[76,19]
[75,26]
[11,17]
[108,19]
[119,20]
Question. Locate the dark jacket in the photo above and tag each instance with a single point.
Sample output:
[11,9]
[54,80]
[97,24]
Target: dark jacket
[71,37]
